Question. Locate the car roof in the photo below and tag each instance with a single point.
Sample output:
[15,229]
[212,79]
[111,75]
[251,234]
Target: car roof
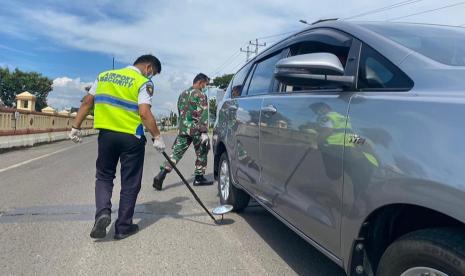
[405,58]
[392,50]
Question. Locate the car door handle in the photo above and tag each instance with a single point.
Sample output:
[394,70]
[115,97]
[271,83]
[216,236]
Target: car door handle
[269,109]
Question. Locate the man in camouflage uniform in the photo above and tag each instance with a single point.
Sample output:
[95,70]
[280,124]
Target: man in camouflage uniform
[193,128]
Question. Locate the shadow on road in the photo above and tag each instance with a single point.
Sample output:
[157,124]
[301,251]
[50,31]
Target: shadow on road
[303,258]
[150,212]
[180,183]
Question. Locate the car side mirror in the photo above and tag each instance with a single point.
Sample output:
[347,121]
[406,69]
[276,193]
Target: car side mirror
[312,70]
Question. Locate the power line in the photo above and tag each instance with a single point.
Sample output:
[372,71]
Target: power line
[231,58]
[276,35]
[374,11]
[386,8]
[229,64]
[428,11]
[226,63]
[237,66]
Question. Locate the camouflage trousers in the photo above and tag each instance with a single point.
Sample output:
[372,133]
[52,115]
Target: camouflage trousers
[180,145]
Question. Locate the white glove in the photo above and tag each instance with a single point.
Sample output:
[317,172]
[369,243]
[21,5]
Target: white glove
[75,135]
[204,138]
[158,143]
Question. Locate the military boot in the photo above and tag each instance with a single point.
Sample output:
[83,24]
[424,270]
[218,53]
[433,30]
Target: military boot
[200,180]
[158,180]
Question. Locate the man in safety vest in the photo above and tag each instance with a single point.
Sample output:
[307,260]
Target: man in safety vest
[122,100]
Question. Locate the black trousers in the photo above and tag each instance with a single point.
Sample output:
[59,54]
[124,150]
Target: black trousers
[130,151]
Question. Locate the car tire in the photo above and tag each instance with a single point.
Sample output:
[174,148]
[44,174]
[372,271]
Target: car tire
[229,194]
[439,251]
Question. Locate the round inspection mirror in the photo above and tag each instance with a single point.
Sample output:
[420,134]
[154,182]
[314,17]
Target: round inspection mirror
[223,209]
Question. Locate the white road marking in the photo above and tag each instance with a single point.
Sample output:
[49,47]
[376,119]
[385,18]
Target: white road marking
[38,158]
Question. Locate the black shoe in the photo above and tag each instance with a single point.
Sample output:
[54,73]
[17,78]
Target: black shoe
[158,180]
[200,180]
[99,231]
[134,228]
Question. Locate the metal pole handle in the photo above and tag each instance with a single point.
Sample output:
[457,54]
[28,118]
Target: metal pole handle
[187,185]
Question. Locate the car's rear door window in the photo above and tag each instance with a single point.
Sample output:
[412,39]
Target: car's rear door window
[237,84]
[263,75]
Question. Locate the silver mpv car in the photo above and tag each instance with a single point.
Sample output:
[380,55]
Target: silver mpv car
[353,135]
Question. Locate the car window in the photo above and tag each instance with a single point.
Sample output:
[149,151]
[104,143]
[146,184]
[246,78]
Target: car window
[227,94]
[324,41]
[321,41]
[377,73]
[444,44]
[237,84]
[263,75]
[249,78]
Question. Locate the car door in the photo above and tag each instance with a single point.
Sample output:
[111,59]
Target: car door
[243,138]
[258,84]
[302,143]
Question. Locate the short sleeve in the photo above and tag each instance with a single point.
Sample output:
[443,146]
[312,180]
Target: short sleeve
[146,93]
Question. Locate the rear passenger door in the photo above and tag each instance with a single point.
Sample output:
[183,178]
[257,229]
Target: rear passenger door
[302,142]
[242,139]
[256,85]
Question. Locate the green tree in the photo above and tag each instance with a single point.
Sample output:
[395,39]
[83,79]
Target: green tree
[14,82]
[173,118]
[223,81]
[212,103]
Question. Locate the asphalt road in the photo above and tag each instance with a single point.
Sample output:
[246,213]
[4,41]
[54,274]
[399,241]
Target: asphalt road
[47,210]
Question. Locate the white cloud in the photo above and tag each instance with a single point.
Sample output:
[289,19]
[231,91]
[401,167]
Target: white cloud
[67,92]
[190,36]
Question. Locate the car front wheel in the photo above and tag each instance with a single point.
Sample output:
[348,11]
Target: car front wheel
[432,252]
[228,193]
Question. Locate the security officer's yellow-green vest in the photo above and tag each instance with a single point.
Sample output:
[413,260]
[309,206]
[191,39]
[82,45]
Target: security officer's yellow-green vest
[337,138]
[339,127]
[116,101]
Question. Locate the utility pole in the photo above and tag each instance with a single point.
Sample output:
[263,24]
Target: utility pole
[256,44]
[113,63]
[247,52]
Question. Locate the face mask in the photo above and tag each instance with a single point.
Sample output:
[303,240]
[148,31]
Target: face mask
[150,75]
[205,89]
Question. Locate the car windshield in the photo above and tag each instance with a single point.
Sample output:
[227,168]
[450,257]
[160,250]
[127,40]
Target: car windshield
[440,43]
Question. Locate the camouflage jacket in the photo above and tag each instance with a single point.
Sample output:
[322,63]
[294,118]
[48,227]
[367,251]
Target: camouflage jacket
[193,112]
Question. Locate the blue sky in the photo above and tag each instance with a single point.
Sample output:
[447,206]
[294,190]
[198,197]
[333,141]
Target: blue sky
[72,41]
